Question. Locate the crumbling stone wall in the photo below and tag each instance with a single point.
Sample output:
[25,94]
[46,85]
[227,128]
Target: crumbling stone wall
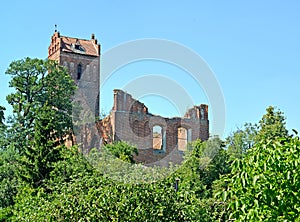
[104,127]
[130,121]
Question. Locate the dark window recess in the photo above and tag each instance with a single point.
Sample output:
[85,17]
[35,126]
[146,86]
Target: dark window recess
[77,46]
[79,71]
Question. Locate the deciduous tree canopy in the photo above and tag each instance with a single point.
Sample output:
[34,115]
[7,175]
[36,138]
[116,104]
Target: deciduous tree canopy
[252,176]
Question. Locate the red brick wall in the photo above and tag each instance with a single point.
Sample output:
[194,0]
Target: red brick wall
[131,122]
[88,93]
[129,119]
[89,83]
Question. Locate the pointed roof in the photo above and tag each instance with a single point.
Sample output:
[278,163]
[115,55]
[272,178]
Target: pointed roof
[73,45]
[80,46]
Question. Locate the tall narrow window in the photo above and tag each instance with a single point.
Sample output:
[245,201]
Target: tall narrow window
[79,71]
[182,138]
[157,138]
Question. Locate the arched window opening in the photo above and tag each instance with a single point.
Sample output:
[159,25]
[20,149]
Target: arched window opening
[157,137]
[182,138]
[79,71]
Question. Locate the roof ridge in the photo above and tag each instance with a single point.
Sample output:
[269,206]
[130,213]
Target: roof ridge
[75,38]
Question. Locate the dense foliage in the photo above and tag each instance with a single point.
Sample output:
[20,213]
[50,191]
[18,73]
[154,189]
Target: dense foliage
[265,184]
[34,136]
[251,176]
[122,150]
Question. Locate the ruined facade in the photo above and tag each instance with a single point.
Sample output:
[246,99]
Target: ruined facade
[157,138]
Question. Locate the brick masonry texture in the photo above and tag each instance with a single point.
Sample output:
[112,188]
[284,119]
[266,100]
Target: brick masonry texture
[82,60]
[159,140]
[130,120]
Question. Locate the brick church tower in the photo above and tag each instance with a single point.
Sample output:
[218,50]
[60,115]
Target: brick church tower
[160,140]
[82,59]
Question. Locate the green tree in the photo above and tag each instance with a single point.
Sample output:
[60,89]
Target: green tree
[205,163]
[2,109]
[264,185]
[41,115]
[31,142]
[96,198]
[8,181]
[218,167]
[241,140]
[122,150]
[2,129]
[36,93]
[272,125]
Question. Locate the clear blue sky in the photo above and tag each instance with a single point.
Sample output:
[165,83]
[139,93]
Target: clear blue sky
[253,47]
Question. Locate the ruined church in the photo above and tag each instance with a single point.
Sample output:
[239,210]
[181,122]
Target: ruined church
[129,120]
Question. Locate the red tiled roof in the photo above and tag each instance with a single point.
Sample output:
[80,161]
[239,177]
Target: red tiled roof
[89,46]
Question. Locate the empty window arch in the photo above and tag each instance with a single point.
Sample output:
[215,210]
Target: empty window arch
[158,138]
[184,137]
